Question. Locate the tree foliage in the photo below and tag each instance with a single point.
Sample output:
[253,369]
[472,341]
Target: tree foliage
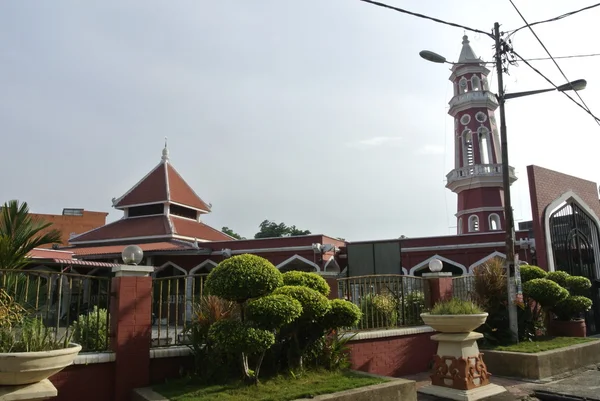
[314,304]
[273,311]
[270,229]
[306,279]
[231,233]
[20,233]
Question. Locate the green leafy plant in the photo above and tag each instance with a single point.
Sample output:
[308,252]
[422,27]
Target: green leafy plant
[414,304]
[572,306]
[305,279]
[314,304]
[273,311]
[378,310]
[456,306]
[578,285]
[342,314]
[332,351]
[91,330]
[530,272]
[546,292]
[559,277]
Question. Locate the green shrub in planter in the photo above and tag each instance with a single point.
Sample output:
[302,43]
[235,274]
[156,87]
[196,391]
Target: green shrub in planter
[243,277]
[572,307]
[310,280]
[529,272]
[90,331]
[546,292]
[273,311]
[559,277]
[578,285]
[378,310]
[456,306]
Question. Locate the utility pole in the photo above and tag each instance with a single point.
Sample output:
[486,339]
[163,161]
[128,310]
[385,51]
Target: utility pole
[509,222]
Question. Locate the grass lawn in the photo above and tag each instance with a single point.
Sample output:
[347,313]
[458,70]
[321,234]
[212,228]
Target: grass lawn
[543,344]
[279,388]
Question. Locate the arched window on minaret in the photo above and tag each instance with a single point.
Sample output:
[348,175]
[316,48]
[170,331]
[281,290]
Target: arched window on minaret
[484,144]
[460,228]
[462,85]
[494,221]
[468,148]
[475,83]
[473,223]
[486,86]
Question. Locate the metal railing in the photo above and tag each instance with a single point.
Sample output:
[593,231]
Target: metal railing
[173,303]
[69,306]
[386,300]
[463,287]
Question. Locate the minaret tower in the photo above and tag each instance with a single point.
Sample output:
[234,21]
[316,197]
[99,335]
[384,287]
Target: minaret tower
[477,174]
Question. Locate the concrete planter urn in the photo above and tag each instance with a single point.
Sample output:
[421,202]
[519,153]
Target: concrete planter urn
[458,372]
[19,368]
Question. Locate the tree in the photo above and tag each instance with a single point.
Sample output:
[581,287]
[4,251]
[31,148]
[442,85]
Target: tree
[231,233]
[270,229]
[20,233]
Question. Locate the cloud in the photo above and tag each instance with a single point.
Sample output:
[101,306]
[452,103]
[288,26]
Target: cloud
[375,142]
[431,150]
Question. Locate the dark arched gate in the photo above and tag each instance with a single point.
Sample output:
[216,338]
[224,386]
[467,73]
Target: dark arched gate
[574,237]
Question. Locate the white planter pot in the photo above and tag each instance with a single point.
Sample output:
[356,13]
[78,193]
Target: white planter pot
[454,323]
[18,368]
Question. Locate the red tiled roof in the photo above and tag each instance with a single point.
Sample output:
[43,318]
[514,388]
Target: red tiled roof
[127,228]
[162,184]
[38,253]
[196,229]
[117,249]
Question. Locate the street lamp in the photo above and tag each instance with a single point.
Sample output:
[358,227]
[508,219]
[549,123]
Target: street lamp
[577,85]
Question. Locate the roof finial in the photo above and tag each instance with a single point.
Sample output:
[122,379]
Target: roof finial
[165,152]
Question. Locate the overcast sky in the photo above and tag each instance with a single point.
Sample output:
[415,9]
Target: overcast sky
[315,113]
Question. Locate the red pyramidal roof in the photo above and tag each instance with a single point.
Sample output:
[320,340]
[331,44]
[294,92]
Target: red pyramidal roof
[162,184]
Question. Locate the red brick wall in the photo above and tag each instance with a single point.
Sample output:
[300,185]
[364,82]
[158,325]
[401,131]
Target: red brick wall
[92,382]
[72,224]
[169,368]
[393,356]
[544,187]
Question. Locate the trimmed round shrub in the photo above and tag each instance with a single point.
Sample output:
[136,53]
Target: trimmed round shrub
[342,314]
[529,272]
[559,277]
[243,277]
[306,279]
[273,311]
[237,337]
[314,304]
[578,285]
[572,307]
[546,292]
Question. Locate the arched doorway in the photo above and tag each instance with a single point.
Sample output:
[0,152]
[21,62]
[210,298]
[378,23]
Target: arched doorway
[574,238]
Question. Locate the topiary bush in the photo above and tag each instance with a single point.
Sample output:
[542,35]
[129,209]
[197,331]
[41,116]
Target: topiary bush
[273,311]
[571,307]
[559,277]
[243,277]
[529,272]
[91,330]
[546,292]
[578,285]
[342,314]
[378,310]
[314,304]
[305,279]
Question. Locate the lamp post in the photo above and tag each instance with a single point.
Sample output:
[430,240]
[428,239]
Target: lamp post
[577,85]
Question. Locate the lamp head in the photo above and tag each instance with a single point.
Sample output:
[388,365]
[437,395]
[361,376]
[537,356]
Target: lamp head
[435,265]
[431,56]
[132,255]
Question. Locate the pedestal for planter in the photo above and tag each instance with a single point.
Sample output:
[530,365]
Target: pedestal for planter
[459,372]
[39,391]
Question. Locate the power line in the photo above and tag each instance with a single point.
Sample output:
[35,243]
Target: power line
[585,106]
[555,18]
[376,3]
[552,83]
[564,57]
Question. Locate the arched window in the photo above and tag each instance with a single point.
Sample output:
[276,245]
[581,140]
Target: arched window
[462,84]
[475,83]
[485,85]
[468,147]
[494,221]
[473,223]
[460,228]
[484,145]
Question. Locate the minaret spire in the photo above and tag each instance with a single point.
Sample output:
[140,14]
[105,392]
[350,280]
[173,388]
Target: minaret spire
[165,152]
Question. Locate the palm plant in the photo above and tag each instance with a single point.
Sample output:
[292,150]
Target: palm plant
[20,233]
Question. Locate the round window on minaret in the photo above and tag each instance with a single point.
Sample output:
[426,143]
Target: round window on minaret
[481,117]
[465,119]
